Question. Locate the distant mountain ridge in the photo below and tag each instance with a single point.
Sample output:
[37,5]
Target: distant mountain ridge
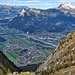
[50,20]
[68,6]
[9,12]
[8,6]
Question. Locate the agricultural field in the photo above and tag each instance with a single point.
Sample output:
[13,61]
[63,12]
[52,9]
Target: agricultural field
[24,49]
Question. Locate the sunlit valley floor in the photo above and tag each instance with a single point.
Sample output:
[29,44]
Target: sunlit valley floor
[23,49]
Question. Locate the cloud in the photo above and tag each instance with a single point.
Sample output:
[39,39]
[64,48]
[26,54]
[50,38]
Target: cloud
[66,1]
[37,4]
[11,1]
[21,1]
[29,1]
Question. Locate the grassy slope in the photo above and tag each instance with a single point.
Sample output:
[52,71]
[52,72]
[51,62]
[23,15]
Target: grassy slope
[62,60]
[26,73]
[5,65]
[67,71]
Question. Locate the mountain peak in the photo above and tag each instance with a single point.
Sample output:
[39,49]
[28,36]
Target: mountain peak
[23,12]
[28,11]
[5,6]
[67,6]
[35,10]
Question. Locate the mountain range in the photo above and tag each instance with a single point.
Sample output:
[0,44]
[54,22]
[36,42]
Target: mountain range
[9,12]
[60,19]
[29,24]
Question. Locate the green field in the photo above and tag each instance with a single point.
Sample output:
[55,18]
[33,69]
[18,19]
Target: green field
[12,56]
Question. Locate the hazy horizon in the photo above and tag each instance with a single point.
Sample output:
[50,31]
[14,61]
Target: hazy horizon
[40,4]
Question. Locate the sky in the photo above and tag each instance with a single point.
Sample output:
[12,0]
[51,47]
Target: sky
[39,4]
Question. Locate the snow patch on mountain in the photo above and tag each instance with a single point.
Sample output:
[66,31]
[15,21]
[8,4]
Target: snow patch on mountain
[67,6]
